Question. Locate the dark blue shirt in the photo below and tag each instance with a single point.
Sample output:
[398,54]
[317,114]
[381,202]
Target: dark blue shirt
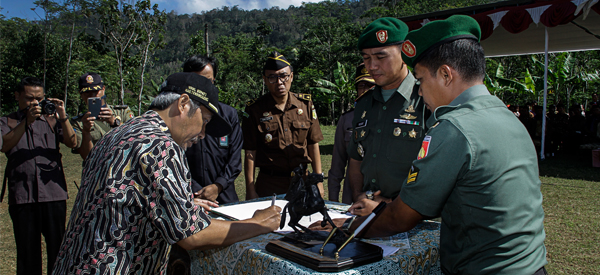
[218,159]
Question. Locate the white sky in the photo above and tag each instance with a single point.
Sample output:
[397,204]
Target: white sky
[197,6]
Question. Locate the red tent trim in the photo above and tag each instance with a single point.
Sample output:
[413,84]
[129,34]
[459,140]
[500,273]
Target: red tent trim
[517,19]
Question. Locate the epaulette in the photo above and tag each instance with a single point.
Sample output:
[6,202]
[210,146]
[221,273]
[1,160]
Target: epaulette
[120,106]
[250,102]
[306,97]
[363,94]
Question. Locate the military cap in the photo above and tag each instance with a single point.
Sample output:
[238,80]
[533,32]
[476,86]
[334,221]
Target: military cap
[201,90]
[362,74]
[276,61]
[90,82]
[382,32]
[421,41]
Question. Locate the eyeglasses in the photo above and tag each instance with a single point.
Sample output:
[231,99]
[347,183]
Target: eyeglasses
[275,78]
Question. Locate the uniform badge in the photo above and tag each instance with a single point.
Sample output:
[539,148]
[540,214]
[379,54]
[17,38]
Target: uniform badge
[435,125]
[412,174]
[364,114]
[263,119]
[408,116]
[382,36]
[412,133]
[314,113]
[265,114]
[362,134]
[397,131]
[89,79]
[424,147]
[410,109]
[224,141]
[268,138]
[409,49]
[300,112]
[361,151]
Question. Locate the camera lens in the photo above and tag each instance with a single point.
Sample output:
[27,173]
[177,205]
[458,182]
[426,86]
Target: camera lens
[48,108]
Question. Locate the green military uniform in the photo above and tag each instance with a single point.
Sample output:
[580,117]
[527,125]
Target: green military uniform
[478,169]
[121,112]
[387,136]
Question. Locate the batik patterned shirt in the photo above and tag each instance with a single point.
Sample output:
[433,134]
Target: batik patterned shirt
[135,202]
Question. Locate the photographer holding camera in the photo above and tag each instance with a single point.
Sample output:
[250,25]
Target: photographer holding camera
[90,127]
[37,189]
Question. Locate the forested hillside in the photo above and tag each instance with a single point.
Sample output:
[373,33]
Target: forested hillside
[135,42]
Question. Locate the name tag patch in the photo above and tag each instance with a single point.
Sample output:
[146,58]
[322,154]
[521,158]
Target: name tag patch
[263,119]
[361,124]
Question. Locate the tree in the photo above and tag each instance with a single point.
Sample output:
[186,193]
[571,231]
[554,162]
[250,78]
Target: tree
[151,28]
[340,90]
[118,25]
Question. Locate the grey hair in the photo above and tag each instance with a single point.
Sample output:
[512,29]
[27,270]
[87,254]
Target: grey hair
[165,99]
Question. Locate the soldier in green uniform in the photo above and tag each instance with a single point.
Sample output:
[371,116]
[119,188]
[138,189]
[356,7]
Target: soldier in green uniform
[281,131]
[388,120]
[90,129]
[477,167]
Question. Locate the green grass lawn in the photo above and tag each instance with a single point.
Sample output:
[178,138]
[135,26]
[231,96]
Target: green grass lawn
[571,189]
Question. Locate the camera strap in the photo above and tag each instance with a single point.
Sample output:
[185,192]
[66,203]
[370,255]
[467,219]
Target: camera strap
[51,122]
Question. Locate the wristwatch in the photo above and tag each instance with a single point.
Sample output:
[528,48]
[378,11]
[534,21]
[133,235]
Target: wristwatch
[116,123]
[369,194]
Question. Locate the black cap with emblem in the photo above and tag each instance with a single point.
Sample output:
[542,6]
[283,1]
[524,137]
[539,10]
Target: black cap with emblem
[201,90]
[90,82]
[276,61]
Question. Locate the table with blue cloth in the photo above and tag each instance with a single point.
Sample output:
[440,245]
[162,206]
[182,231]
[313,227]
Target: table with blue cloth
[250,256]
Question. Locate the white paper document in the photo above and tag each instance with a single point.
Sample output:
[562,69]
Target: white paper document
[246,210]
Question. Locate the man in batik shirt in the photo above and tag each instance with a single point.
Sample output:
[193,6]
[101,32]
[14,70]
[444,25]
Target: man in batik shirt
[136,198]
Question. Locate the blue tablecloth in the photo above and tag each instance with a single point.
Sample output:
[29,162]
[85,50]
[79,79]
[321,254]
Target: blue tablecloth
[250,256]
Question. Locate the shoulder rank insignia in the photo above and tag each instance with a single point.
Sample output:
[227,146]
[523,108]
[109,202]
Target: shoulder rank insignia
[250,102]
[363,94]
[435,125]
[306,97]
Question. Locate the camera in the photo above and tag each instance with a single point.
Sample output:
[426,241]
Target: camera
[48,108]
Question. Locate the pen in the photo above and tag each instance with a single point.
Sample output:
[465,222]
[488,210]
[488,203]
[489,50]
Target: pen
[273,199]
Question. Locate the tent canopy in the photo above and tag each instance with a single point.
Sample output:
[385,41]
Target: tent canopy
[517,27]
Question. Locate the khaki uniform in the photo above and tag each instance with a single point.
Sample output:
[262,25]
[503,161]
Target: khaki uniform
[387,136]
[122,112]
[280,139]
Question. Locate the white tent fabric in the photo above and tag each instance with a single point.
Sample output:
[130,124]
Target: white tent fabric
[562,38]
[581,34]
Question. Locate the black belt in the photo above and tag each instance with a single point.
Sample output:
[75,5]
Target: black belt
[541,271]
[276,173]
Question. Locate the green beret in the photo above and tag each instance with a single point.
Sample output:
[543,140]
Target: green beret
[276,61]
[382,32]
[421,41]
